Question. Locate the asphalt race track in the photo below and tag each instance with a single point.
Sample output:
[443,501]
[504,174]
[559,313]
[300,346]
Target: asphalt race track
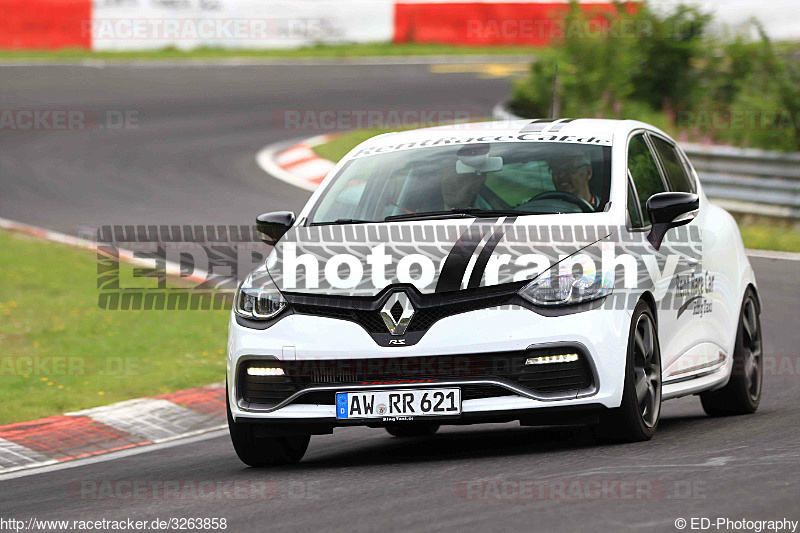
[191,160]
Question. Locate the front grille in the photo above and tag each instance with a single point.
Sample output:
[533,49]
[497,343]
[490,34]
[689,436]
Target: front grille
[424,318]
[268,391]
[508,365]
[369,320]
[428,308]
[476,392]
[555,377]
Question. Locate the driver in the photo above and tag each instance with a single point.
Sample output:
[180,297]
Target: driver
[571,173]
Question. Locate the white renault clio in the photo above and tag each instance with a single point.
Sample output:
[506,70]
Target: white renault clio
[547,272]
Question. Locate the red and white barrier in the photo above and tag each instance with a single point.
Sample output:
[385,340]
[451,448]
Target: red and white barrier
[487,22]
[254,24]
[44,24]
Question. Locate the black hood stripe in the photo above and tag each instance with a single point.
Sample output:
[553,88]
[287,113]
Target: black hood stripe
[483,258]
[486,253]
[458,259]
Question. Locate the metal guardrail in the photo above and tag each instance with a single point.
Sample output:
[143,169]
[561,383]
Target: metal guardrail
[741,180]
[756,182]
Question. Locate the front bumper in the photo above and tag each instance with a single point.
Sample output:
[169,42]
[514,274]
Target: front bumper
[601,335]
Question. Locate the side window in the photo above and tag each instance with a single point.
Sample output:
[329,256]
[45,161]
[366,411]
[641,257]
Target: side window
[676,173]
[644,172]
[633,207]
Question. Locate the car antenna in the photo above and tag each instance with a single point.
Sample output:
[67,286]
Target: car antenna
[553,104]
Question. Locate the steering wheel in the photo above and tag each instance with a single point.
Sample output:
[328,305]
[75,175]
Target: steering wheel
[574,199]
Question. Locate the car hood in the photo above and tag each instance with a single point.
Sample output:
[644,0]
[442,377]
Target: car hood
[435,256]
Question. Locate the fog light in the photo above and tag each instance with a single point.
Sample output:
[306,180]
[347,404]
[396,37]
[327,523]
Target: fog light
[547,359]
[264,371]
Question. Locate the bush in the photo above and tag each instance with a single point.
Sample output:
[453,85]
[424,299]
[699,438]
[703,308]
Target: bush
[664,69]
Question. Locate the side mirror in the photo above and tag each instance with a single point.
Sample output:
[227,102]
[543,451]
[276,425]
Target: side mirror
[272,226]
[669,210]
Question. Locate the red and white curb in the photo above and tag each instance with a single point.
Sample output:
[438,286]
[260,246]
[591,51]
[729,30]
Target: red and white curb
[171,268]
[111,428]
[115,427]
[297,165]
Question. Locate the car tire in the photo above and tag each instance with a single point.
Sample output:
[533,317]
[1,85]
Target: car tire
[412,429]
[636,419]
[257,450]
[742,394]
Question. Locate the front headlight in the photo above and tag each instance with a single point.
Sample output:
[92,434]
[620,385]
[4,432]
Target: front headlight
[572,281]
[258,297]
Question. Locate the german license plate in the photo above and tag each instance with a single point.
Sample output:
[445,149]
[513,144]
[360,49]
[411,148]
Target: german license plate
[398,403]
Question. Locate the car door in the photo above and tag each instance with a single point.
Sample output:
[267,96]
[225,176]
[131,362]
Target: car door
[672,261]
[696,316]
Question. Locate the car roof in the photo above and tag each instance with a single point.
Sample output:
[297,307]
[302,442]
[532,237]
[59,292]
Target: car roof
[602,131]
[566,126]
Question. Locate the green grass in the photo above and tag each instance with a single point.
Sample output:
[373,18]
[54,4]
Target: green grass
[320,51]
[60,352]
[769,237]
[337,148]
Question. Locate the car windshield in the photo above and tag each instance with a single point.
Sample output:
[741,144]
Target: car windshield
[481,179]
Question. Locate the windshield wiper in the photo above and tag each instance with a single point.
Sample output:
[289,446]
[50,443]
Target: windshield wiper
[463,211]
[456,212]
[344,221]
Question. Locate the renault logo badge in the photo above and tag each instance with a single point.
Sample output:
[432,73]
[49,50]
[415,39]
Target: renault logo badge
[397,313]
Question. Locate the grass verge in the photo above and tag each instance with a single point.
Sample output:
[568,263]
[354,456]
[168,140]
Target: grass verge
[60,352]
[310,52]
[338,146]
[761,236]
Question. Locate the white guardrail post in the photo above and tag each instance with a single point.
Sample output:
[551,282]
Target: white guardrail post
[741,180]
